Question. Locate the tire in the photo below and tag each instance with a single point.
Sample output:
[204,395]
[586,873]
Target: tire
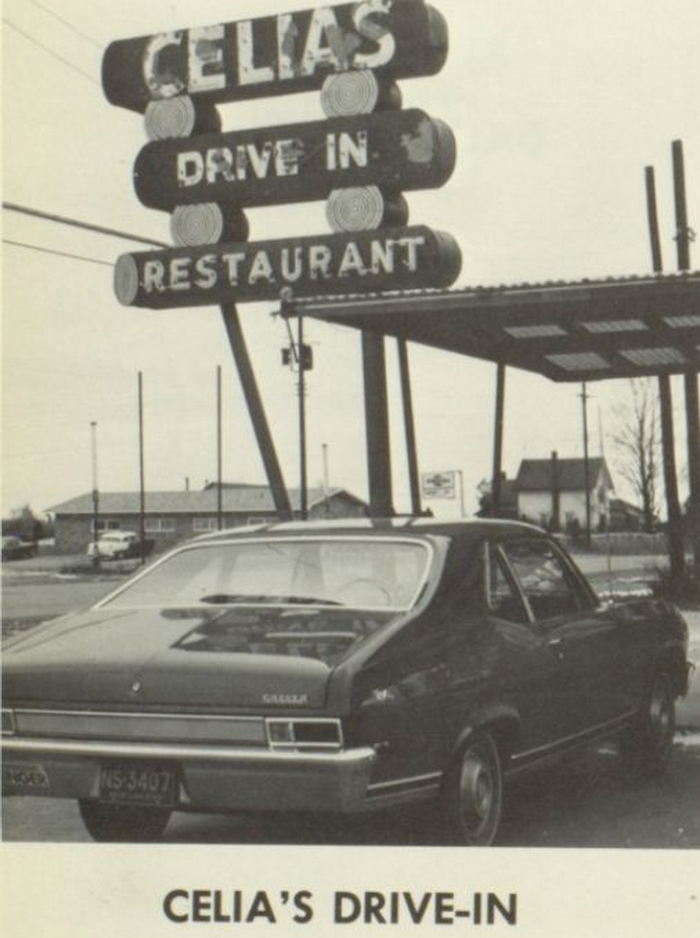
[646,748]
[123,823]
[474,793]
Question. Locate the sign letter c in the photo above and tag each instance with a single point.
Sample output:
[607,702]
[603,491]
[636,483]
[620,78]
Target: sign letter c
[161,84]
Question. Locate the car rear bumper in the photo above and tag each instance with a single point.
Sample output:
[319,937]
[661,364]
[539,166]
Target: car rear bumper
[216,778]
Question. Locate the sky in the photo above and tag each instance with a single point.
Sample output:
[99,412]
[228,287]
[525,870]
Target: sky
[557,106]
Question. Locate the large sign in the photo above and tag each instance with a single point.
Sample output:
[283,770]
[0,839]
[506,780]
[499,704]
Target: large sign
[397,150]
[386,259]
[273,55]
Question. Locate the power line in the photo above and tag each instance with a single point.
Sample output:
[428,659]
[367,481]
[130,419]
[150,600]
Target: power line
[65,22]
[64,220]
[77,257]
[46,49]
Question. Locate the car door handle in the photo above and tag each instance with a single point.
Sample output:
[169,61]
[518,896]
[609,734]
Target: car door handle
[556,646]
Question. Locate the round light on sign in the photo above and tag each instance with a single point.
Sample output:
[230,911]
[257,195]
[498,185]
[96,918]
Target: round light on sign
[173,117]
[126,279]
[197,224]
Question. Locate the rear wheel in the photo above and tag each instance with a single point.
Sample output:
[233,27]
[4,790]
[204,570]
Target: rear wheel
[647,746]
[474,793]
[123,823]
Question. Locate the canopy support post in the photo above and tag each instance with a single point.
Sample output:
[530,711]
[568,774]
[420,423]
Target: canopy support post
[411,453]
[498,440]
[377,425]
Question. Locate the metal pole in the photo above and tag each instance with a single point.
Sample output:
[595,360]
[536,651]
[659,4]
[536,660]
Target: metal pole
[95,494]
[142,477]
[691,377]
[556,494]
[653,219]
[219,458]
[692,411]
[498,440]
[268,454]
[682,231]
[377,426]
[673,507]
[675,533]
[409,427]
[586,465]
[303,493]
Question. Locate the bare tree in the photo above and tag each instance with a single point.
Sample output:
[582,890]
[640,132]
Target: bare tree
[637,441]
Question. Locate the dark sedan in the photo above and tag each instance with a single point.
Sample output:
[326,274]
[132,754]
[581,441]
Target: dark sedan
[336,667]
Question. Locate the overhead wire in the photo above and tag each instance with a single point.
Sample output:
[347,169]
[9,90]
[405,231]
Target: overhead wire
[66,23]
[75,223]
[77,257]
[49,51]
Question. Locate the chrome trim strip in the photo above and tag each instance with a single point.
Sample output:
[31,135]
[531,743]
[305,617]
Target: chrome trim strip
[431,778]
[591,731]
[140,726]
[138,714]
[100,749]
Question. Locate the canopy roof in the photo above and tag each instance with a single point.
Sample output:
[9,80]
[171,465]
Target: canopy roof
[568,331]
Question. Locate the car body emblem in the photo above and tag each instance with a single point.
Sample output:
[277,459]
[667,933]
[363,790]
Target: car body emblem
[136,687]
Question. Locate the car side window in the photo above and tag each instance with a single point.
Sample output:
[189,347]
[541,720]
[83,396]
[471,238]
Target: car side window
[502,598]
[542,577]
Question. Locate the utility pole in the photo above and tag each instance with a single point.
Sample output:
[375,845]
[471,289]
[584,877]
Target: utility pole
[95,494]
[219,480]
[142,477]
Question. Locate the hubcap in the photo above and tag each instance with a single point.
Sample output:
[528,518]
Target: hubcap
[660,714]
[477,792]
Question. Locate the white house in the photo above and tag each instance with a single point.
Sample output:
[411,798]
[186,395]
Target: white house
[541,483]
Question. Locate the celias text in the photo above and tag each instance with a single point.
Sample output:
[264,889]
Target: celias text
[300,907]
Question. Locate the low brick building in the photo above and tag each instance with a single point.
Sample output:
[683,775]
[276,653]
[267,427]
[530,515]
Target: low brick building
[175,516]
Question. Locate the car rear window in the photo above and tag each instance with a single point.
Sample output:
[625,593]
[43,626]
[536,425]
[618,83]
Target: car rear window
[365,573]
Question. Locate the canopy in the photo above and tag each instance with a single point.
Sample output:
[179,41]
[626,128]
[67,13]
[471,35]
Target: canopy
[568,331]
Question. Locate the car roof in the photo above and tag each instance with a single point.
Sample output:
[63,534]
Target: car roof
[476,529]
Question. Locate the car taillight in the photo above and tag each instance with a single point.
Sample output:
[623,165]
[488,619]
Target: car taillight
[307,733]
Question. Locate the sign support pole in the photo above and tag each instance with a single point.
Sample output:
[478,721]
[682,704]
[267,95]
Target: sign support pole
[409,427]
[232,324]
[377,426]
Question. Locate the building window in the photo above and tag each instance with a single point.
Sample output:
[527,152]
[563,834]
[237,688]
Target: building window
[204,524]
[106,525]
[258,519]
[159,525]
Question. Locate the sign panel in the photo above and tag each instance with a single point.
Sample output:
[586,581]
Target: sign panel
[273,55]
[398,150]
[439,484]
[371,261]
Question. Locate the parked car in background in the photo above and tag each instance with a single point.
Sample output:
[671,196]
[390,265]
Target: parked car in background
[116,545]
[15,549]
[340,667]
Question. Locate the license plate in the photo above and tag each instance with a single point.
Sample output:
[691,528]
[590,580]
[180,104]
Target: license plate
[25,777]
[139,783]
